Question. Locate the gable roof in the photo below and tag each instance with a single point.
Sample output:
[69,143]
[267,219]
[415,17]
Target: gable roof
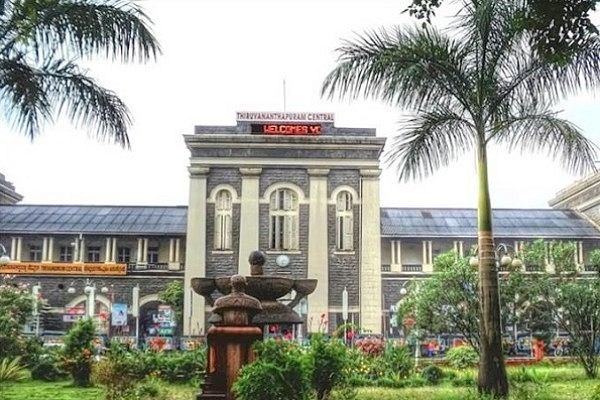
[508,223]
[110,220]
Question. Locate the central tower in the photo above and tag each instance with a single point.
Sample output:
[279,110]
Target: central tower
[303,191]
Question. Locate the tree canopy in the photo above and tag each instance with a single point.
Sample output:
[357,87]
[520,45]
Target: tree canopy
[42,45]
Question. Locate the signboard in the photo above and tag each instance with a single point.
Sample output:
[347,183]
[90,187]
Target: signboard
[119,314]
[274,116]
[73,314]
[63,269]
[286,129]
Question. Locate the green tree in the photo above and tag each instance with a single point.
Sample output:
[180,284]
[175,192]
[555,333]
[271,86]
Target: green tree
[468,88]
[16,307]
[558,28]
[446,302]
[173,295]
[41,47]
[573,299]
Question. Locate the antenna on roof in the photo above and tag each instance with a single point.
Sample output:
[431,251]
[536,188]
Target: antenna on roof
[284,97]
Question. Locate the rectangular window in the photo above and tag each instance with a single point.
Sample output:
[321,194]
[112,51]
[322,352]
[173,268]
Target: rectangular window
[93,254]
[123,254]
[35,252]
[153,254]
[223,232]
[65,254]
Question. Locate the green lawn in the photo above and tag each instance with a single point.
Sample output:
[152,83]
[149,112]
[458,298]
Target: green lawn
[560,384]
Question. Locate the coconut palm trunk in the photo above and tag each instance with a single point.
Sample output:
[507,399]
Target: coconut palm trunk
[492,371]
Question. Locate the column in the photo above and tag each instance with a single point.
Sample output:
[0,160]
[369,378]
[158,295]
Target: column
[140,251]
[45,249]
[113,252]
[370,252]
[249,217]
[174,263]
[178,251]
[50,249]
[82,250]
[427,256]
[318,258]
[145,250]
[107,249]
[15,249]
[195,256]
[171,249]
[396,256]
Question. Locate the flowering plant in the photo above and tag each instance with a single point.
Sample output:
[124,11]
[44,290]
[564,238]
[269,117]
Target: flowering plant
[16,306]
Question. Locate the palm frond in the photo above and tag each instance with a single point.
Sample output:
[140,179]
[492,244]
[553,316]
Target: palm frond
[23,96]
[116,29]
[85,103]
[406,67]
[543,132]
[429,141]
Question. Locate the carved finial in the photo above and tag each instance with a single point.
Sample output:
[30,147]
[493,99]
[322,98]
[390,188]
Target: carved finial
[257,259]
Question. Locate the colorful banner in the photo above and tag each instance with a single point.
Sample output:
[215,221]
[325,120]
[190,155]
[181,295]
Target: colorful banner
[119,314]
[17,268]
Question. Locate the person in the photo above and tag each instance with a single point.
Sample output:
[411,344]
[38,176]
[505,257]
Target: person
[287,335]
[431,348]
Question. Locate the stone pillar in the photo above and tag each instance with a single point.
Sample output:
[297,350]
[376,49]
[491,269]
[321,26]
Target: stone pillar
[107,249]
[50,249]
[370,253]
[81,249]
[140,251]
[195,256]
[113,251]
[249,217]
[318,259]
[427,256]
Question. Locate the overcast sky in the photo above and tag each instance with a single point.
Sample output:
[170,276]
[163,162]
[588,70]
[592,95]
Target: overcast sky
[225,56]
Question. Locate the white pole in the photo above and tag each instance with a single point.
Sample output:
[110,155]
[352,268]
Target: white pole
[135,310]
[345,313]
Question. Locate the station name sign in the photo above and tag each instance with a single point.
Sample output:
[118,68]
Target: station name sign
[64,269]
[293,117]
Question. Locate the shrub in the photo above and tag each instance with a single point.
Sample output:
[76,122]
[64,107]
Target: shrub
[282,371]
[48,369]
[462,357]
[78,351]
[115,372]
[11,370]
[398,360]
[432,374]
[328,359]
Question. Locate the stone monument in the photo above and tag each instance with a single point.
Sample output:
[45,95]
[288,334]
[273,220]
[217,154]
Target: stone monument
[230,343]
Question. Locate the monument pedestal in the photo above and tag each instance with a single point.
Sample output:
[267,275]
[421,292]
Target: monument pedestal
[229,348]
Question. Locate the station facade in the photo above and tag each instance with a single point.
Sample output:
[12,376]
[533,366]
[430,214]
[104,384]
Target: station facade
[290,184]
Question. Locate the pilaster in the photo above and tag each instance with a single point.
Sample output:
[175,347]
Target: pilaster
[370,254]
[195,256]
[249,217]
[318,260]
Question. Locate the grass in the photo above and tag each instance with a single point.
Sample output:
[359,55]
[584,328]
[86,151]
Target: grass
[35,390]
[554,383]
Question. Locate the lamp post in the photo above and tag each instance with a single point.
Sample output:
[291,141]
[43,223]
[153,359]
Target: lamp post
[345,313]
[403,292]
[4,258]
[90,291]
[36,291]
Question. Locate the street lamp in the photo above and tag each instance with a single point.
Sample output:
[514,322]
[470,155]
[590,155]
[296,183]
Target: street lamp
[403,292]
[90,291]
[4,258]
[503,258]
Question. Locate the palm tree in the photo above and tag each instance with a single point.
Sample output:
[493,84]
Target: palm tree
[476,85]
[41,43]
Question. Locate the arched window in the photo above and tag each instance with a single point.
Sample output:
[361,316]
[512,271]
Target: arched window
[223,220]
[344,216]
[283,218]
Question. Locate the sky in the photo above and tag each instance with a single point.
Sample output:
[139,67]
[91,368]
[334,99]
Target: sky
[224,56]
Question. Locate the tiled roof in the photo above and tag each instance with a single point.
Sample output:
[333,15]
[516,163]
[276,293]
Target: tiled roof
[114,220]
[462,222]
